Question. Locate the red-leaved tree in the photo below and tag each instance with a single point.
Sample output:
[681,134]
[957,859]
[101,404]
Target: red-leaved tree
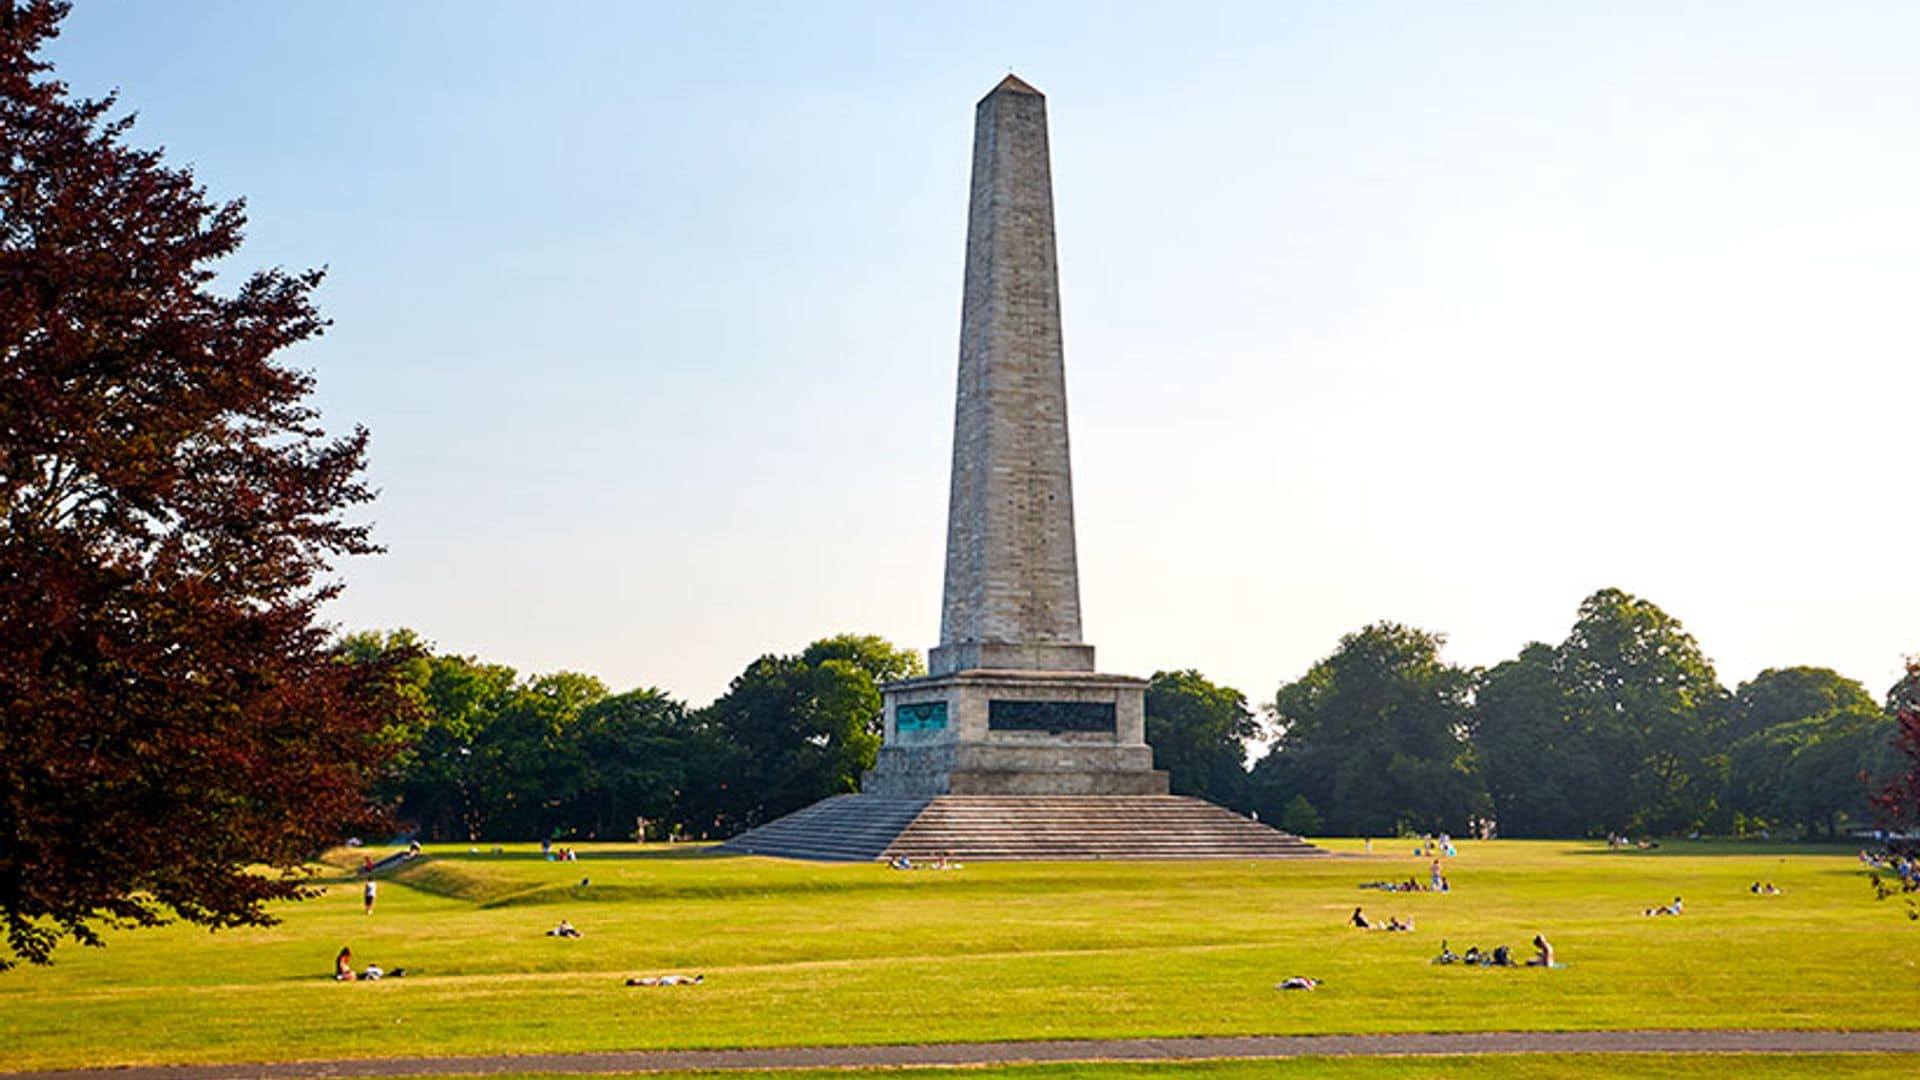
[171,713]
[1899,800]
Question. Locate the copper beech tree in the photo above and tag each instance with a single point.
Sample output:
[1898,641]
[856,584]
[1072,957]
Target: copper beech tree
[176,734]
[1899,800]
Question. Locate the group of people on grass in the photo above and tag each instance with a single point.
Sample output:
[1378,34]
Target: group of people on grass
[1499,956]
[343,969]
[1907,868]
[1393,923]
[942,861]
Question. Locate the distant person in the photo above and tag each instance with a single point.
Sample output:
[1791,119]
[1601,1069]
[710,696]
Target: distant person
[1434,875]
[1360,920]
[1298,982]
[565,929]
[1446,955]
[343,965]
[667,980]
[366,864]
[367,895]
[1543,955]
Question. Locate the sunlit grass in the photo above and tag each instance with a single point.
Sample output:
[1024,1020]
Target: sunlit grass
[799,954]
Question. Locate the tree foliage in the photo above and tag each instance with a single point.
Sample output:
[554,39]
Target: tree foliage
[495,755]
[169,509]
[1199,734]
[1375,737]
[1646,701]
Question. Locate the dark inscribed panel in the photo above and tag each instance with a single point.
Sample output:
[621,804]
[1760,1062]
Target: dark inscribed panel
[1052,717]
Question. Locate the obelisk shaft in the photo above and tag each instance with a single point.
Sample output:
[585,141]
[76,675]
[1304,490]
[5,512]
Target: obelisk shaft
[1012,585]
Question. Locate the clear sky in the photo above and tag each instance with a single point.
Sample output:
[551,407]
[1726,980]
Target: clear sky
[1445,314]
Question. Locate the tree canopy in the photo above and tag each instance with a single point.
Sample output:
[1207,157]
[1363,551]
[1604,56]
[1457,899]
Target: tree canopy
[1375,737]
[170,711]
[1199,733]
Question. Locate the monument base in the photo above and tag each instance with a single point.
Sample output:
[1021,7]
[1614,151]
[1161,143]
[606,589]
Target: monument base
[1002,732]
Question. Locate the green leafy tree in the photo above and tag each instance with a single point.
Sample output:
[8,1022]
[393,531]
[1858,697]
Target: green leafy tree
[1541,774]
[640,750]
[1375,737]
[1300,818]
[1779,695]
[802,727]
[1199,734]
[531,765]
[1812,771]
[1647,703]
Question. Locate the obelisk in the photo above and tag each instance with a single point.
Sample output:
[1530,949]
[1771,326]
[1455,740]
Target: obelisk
[1012,704]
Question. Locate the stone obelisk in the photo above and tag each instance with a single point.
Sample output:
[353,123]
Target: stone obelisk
[1012,705]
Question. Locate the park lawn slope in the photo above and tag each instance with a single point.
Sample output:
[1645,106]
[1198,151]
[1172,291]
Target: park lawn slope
[806,954]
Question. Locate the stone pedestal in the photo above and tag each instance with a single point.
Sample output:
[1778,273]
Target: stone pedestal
[1005,732]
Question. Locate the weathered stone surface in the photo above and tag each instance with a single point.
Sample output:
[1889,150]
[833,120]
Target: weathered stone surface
[1010,624]
[1012,582]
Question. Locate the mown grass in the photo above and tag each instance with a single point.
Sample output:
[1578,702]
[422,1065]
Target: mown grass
[802,954]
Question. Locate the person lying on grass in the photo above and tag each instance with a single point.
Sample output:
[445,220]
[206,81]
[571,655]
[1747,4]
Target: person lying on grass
[1670,909]
[565,929]
[1298,982]
[667,980]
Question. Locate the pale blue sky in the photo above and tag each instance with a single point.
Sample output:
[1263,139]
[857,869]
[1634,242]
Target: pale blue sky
[1448,314]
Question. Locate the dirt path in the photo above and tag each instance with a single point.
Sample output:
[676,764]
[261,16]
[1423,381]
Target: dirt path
[1010,1053]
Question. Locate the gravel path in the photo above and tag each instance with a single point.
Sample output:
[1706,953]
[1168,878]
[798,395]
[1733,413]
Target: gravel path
[1007,1053]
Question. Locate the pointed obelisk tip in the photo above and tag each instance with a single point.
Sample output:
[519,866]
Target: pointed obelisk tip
[1014,84]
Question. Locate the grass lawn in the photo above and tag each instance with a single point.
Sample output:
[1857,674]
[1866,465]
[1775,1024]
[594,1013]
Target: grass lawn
[799,954]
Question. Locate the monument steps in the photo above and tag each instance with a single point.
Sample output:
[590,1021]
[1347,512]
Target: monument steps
[846,828]
[987,828]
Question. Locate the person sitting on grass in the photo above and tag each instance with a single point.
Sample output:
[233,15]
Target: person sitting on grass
[901,862]
[1360,920]
[1544,957]
[1501,957]
[1670,909]
[1298,982]
[1771,889]
[565,929]
[343,965]
[667,980]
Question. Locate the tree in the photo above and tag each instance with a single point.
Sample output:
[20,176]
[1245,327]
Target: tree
[1375,737]
[1779,695]
[1646,702]
[170,711]
[1812,770]
[1540,771]
[1199,734]
[802,727]
[1899,800]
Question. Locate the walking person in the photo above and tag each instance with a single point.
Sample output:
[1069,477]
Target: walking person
[367,895]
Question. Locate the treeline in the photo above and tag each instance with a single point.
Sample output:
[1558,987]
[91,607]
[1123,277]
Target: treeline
[488,753]
[1622,727]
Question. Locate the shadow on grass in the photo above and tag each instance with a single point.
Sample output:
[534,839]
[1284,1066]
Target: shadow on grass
[1695,849]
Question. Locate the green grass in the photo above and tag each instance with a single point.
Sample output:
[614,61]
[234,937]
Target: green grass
[801,954]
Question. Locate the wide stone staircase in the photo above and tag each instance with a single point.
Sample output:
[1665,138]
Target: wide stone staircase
[848,828]
[1019,827]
